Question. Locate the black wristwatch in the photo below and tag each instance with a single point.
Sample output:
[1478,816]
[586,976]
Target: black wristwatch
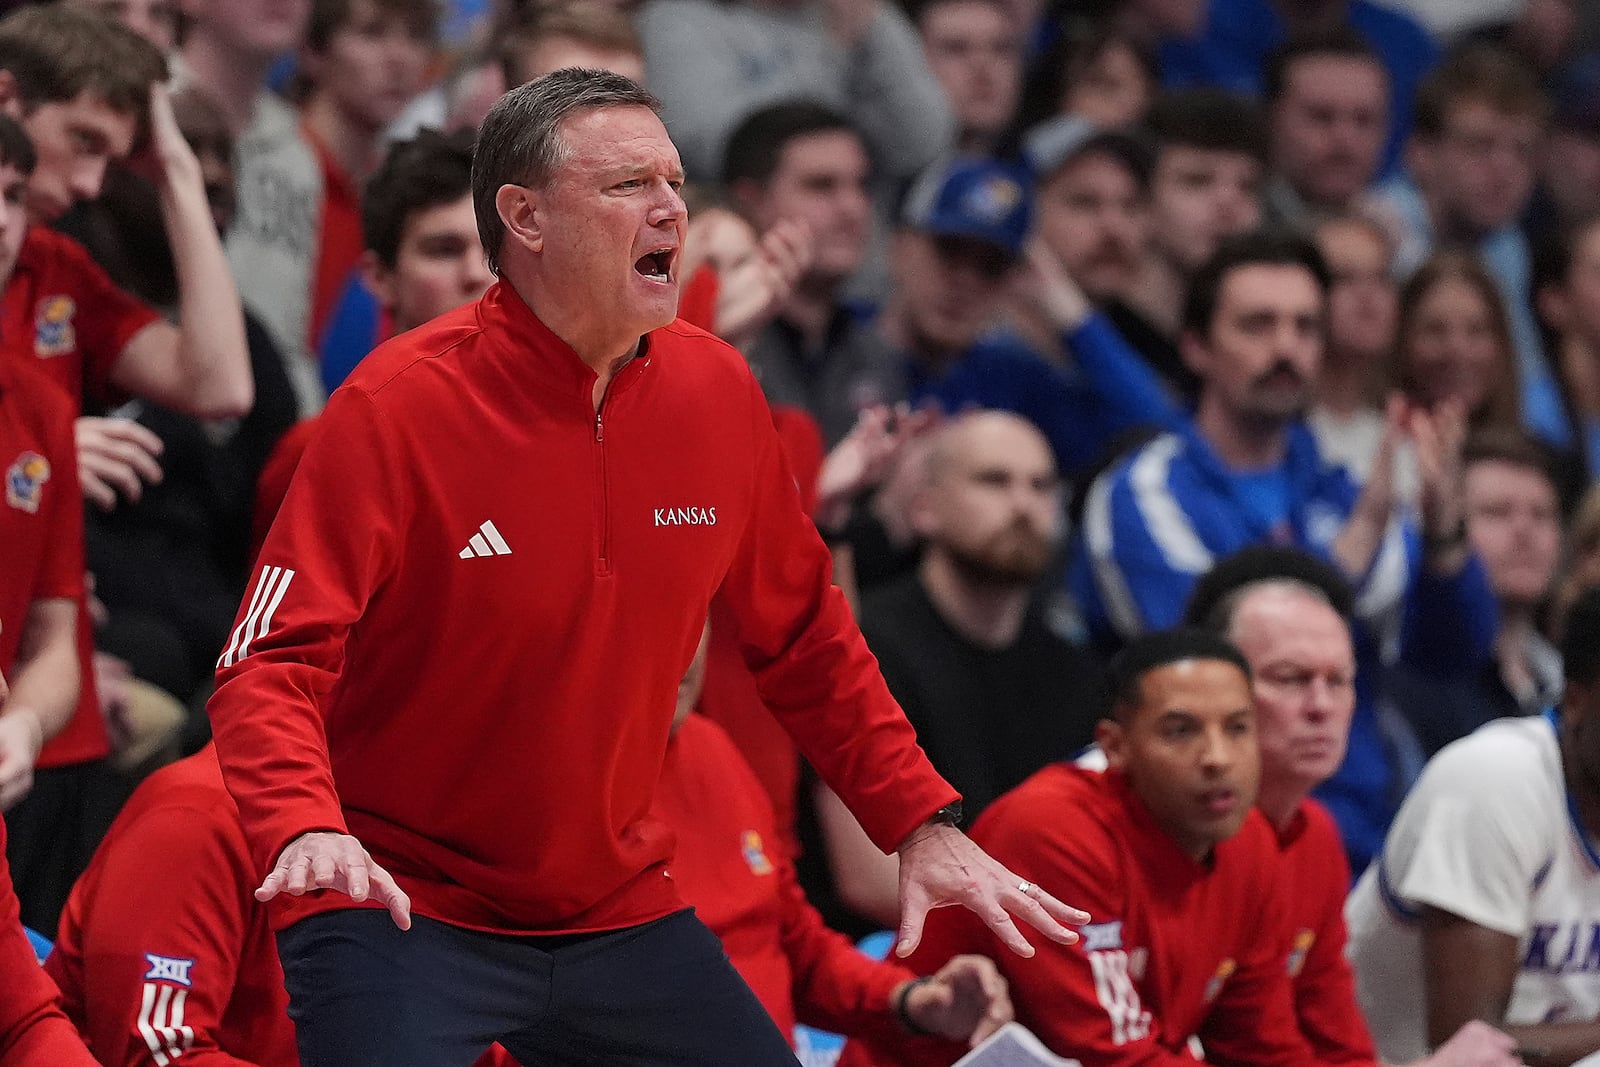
[949,815]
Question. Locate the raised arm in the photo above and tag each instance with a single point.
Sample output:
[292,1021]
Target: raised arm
[201,366]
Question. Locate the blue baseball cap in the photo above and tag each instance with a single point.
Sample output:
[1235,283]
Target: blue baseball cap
[974,198]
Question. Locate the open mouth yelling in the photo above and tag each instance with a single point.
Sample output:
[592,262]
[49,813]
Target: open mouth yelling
[656,266]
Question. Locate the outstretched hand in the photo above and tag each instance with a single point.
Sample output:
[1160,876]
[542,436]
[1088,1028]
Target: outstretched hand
[323,860]
[941,866]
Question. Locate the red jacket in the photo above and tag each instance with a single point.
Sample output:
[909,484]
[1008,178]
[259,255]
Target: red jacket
[162,950]
[63,316]
[1315,879]
[1175,949]
[33,1031]
[744,888]
[476,604]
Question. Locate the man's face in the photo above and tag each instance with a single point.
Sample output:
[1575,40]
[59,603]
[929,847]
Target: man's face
[75,140]
[554,53]
[612,221]
[1514,524]
[374,64]
[1482,169]
[1453,350]
[154,20]
[994,504]
[1095,218]
[1190,751]
[822,178]
[1264,348]
[439,265]
[951,288]
[1363,303]
[975,51]
[1304,672]
[1329,127]
[1113,91]
[1198,198]
[257,28]
[13,228]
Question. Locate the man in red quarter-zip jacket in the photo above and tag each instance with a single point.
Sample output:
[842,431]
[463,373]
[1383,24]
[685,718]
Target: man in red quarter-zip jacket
[462,645]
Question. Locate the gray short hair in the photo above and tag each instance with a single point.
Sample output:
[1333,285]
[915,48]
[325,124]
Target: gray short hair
[1222,616]
[520,140]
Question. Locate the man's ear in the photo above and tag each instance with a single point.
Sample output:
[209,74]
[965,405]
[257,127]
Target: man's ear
[379,279]
[1113,741]
[1194,352]
[520,212]
[921,515]
[10,96]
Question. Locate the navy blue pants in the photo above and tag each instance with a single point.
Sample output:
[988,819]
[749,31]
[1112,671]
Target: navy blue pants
[364,992]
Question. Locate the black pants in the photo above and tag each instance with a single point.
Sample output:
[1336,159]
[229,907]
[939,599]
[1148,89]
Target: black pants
[363,992]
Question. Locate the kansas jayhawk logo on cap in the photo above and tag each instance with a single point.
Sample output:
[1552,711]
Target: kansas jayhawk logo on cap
[25,481]
[53,334]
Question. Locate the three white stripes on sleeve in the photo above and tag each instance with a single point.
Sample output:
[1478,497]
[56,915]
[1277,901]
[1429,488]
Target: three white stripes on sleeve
[161,1021]
[270,587]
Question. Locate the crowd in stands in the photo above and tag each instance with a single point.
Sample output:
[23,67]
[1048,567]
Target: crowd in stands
[1200,400]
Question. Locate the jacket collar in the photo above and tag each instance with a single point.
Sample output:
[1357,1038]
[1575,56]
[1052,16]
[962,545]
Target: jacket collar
[528,348]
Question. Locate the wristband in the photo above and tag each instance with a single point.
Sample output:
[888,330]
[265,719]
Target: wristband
[904,1016]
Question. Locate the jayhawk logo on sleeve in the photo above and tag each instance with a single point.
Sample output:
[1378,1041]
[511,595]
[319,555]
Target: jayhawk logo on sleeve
[1303,940]
[754,854]
[53,334]
[25,482]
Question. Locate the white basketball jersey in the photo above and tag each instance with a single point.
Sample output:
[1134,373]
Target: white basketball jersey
[1488,834]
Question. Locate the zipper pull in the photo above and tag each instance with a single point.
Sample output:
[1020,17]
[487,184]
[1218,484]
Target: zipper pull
[599,429]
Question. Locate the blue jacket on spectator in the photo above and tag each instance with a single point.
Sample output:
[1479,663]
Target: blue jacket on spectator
[1082,410]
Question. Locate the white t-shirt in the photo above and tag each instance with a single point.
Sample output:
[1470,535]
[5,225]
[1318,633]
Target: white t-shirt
[1487,834]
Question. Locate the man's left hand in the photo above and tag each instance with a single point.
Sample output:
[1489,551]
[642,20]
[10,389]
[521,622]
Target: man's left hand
[940,866]
[967,1000]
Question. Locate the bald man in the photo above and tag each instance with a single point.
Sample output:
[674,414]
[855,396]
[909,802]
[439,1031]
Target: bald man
[963,642]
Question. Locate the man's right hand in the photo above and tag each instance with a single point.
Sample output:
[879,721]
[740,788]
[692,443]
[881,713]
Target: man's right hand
[115,456]
[325,860]
[1477,1044]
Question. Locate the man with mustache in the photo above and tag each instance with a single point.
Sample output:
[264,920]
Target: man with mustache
[1246,470]
[994,692]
